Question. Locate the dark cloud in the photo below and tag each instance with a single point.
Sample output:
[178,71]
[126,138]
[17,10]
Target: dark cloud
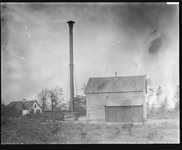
[155,45]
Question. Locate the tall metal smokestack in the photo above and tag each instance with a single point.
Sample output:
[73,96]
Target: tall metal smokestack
[70,24]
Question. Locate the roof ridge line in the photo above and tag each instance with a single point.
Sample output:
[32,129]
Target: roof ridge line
[118,76]
[115,92]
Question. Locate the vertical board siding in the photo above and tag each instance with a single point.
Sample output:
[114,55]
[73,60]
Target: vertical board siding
[127,112]
[120,114]
[87,101]
[124,114]
[96,109]
[106,114]
[137,114]
[144,98]
[111,114]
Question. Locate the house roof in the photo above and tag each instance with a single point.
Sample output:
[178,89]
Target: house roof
[19,104]
[123,100]
[116,84]
[16,104]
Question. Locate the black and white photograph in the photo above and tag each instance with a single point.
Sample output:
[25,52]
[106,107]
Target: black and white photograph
[90,73]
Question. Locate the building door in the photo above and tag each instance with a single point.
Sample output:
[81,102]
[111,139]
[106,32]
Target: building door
[124,114]
[31,111]
[127,114]
[137,114]
[120,114]
[111,114]
[38,111]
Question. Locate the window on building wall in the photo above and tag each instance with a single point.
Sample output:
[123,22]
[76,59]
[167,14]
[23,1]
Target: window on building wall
[35,106]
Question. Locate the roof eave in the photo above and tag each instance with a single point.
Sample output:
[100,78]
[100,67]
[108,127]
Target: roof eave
[112,92]
[87,85]
[124,105]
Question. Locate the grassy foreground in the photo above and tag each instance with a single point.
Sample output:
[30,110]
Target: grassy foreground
[29,130]
[164,132]
[46,130]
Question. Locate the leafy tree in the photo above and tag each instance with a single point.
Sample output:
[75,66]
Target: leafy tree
[176,98]
[158,94]
[55,96]
[43,96]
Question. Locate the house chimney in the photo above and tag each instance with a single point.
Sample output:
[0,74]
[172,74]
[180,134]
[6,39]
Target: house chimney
[24,100]
[70,24]
[115,74]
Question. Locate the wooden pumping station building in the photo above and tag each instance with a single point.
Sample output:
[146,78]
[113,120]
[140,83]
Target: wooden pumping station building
[116,99]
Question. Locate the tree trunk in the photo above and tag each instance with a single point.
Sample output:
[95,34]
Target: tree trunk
[43,105]
[147,108]
[52,106]
[157,101]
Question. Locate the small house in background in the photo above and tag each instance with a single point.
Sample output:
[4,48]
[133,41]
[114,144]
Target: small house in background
[27,107]
[116,99]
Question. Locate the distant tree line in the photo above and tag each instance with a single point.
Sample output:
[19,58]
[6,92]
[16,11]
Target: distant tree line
[164,104]
[52,94]
[158,92]
[55,96]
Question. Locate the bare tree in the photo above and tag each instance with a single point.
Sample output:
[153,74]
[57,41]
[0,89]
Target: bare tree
[153,106]
[151,93]
[158,94]
[176,98]
[83,88]
[43,96]
[55,96]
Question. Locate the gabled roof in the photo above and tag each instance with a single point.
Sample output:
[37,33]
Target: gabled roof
[116,84]
[19,104]
[124,100]
[16,104]
[28,104]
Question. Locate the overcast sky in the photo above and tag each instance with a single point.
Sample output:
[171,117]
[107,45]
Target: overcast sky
[127,38]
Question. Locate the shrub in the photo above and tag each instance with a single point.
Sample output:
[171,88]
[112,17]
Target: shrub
[49,115]
[32,115]
[13,112]
[9,111]
[161,113]
[3,109]
[5,120]
[71,115]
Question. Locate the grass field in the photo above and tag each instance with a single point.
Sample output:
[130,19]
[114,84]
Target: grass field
[163,131]
[43,130]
